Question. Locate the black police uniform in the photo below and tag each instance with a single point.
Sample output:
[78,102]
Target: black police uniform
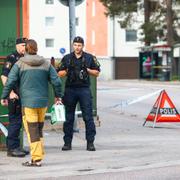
[14,107]
[77,89]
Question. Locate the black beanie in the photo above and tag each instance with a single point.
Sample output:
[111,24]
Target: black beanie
[21,40]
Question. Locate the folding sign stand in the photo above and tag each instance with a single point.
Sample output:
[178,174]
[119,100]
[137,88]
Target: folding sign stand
[163,110]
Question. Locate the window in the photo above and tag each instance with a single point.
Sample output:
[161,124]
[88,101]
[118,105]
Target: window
[49,43]
[49,21]
[49,1]
[77,21]
[131,35]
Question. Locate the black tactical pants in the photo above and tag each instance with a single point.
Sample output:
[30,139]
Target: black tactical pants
[15,124]
[71,97]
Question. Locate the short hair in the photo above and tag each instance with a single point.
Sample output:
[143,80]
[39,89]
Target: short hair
[31,46]
[78,39]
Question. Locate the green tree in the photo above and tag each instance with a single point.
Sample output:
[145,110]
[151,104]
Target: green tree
[161,19]
[122,8]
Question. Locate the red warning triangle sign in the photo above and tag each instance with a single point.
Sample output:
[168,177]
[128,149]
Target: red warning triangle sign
[163,110]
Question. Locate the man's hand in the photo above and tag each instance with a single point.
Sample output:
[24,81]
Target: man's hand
[58,100]
[62,73]
[93,72]
[13,95]
[4,102]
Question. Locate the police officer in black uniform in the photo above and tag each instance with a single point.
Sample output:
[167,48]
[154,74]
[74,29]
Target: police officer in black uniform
[14,104]
[77,66]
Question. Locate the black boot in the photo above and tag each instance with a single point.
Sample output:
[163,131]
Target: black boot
[90,146]
[25,151]
[15,153]
[66,147]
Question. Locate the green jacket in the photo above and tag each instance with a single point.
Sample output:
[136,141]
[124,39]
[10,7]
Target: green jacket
[32,72]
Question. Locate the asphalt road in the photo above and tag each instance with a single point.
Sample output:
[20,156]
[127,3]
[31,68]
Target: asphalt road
[125,149]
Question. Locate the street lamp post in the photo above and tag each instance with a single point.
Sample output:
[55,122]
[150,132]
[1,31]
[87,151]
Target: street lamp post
[72,22]
[72,18]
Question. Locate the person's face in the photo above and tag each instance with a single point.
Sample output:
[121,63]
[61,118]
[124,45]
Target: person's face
[20,48]
[78,47]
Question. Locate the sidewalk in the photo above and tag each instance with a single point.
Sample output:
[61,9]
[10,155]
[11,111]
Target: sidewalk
[125,149]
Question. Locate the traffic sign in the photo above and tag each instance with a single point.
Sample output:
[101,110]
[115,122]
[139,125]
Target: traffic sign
[66,2]
[62,50]
[163,110]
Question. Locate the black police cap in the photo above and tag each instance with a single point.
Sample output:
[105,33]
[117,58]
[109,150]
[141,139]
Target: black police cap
[21,40]
[78,39]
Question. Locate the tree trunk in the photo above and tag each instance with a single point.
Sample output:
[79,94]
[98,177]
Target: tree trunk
[146,17]
[170,39]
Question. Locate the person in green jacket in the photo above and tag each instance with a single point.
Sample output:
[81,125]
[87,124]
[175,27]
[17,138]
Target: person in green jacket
[33,72]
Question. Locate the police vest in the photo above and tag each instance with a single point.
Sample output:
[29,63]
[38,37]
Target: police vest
[77,72]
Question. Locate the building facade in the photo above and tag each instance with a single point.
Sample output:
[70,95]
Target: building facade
[47,21]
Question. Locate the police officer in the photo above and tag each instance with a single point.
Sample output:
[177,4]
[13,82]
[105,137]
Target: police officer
[14,104]
[77,66]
